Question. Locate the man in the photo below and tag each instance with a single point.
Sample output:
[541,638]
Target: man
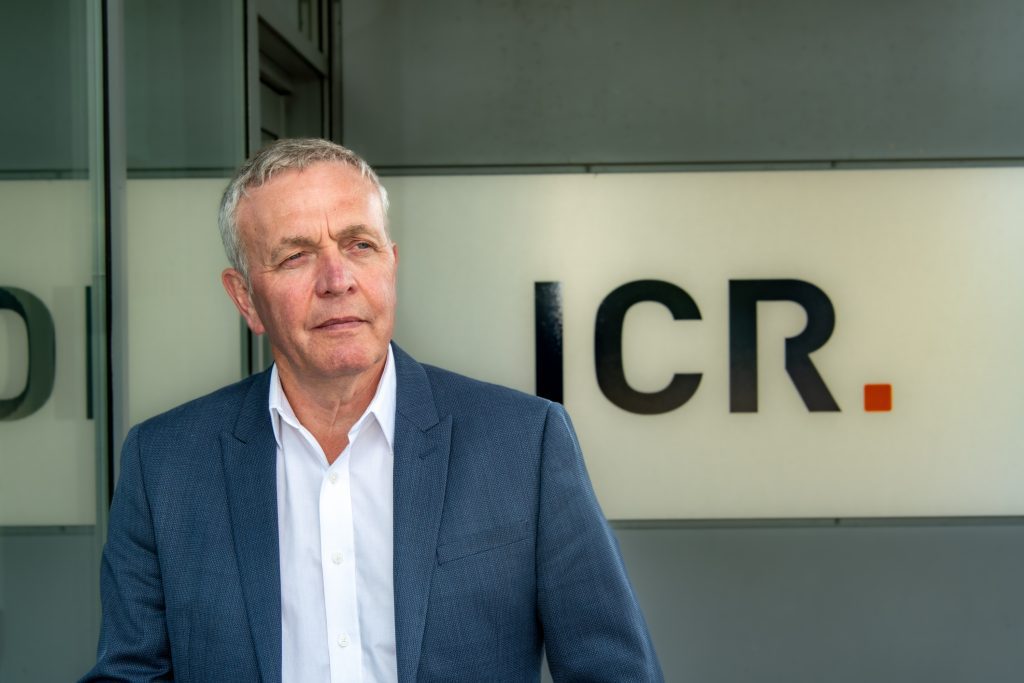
[352,515]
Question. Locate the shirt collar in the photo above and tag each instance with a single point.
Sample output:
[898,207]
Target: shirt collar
[382,406]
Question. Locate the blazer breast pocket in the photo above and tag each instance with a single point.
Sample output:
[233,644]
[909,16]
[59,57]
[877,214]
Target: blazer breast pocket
[483,541]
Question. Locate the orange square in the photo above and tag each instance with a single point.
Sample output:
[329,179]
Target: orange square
[877,398]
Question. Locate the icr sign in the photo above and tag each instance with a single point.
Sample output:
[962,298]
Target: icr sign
[743,298]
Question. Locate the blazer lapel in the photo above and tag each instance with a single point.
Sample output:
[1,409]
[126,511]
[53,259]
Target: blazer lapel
[422,444]
[250,474]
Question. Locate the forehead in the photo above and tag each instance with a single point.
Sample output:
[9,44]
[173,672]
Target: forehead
[328,190]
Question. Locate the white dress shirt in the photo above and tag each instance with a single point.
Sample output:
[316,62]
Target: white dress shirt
[336,545]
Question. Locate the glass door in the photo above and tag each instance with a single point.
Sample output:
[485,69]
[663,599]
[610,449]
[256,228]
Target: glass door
[53,402]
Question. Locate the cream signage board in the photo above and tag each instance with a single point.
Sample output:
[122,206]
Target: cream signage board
[47,452]
[181,333]
[898,392]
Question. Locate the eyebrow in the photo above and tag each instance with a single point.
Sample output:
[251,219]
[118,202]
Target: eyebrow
[353,231]
[287,243]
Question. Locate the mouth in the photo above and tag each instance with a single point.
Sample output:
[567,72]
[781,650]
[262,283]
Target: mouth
[343,323]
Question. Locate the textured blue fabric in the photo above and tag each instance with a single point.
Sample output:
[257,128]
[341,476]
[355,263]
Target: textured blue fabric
[500,546]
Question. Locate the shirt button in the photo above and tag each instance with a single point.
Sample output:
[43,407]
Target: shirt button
[333,476]
[336,558]
[343,640]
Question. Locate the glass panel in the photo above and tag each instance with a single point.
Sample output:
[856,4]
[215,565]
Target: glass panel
[184,88]
[185,119]
[296,18]
[52,400]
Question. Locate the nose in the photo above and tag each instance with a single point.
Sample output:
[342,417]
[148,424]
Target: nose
[334,275]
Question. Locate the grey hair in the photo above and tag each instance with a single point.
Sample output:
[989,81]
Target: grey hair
[282,155]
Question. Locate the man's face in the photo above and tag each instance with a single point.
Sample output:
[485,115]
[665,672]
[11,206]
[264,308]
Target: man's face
[322,271]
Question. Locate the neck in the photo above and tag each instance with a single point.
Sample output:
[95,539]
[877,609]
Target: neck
[329,407]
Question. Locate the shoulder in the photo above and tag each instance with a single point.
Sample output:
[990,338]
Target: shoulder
[209,415]
[175,456]
[452,393]
[451,388]
[468,398]
[488,411]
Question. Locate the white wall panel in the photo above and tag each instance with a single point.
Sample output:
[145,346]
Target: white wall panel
[48,459]
[183,331]
[921,267]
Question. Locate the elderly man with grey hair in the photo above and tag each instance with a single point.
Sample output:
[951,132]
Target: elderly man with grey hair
[351,514]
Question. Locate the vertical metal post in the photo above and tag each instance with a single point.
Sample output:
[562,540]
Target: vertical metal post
[115,180]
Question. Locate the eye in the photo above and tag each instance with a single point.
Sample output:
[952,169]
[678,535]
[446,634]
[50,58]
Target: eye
[294,259]
[363,246]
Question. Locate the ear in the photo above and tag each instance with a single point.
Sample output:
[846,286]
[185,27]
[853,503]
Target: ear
[234,285]
[394,252]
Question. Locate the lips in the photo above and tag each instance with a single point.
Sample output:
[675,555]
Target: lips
[342,323]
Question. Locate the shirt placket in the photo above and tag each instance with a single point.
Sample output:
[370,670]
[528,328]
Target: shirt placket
[338,564]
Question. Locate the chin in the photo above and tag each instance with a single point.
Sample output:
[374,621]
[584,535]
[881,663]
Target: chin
[354,363]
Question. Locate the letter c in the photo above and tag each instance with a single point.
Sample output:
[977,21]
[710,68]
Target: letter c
[611,376]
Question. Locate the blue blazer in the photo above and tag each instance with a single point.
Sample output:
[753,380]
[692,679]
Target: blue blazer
[500,547]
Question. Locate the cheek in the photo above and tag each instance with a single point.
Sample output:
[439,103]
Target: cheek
[383,292]
[279,309]
[390,298]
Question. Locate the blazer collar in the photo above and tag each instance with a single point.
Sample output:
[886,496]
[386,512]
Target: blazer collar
[422,446]
[249,454]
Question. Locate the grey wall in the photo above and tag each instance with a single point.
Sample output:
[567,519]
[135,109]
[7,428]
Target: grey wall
[465,82]
[576,85]
[901,601]
[49,603]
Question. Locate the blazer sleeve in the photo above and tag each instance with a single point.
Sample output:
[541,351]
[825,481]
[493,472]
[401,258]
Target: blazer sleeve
[593,628]
[134,645]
